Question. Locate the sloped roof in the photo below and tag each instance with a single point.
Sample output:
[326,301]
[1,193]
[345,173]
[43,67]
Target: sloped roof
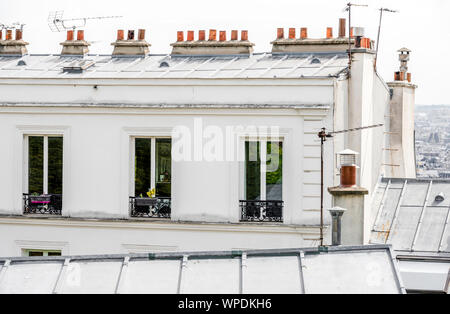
[411,216]
[368,269]
[258,65]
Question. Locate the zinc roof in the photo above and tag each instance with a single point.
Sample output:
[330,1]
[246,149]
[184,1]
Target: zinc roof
[368,269]
[413,215]
[258,65]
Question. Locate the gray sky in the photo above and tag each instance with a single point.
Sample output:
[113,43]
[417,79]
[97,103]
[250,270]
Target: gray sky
[419,25]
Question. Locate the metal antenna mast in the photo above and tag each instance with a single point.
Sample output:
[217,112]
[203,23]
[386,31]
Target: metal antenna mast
[323,135]
[56,23]
[349,9]
[379,31]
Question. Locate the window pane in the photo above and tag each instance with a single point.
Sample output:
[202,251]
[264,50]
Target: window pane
[35,253]
[142,166]
[55,165]
[35,164]
[55,253]
[252,171]
[274,171]
[163,167]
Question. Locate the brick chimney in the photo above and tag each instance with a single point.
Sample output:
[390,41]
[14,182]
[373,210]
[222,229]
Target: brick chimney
[212,46]
[72,47]
[13,47]
[131,46]
[400,149]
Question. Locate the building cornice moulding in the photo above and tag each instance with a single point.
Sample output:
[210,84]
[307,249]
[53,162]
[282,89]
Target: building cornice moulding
[161,225]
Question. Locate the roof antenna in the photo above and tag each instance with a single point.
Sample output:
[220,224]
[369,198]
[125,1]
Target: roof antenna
[349,9]
[379,31]
[323,135]
[56,23]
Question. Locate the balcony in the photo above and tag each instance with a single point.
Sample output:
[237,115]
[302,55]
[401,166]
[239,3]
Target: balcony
[47,204]
[261,211]
[145,207]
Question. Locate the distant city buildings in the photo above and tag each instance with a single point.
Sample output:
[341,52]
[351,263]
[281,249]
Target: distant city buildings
[433,141]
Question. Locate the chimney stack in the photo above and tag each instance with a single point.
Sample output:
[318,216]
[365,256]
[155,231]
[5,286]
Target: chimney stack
[358,33]
[201,35]
[72,47]
[347,164]
[400,161]
[190,36]
[342,28]
[131,46]
[291,33]
[336,225]
[212,46]
[212,35]
[18,34]
[351,197]
[13,47]
[280,33]
[303,33]
[403,74]
[292,44]
[234,35]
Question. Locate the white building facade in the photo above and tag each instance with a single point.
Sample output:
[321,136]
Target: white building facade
[85,137]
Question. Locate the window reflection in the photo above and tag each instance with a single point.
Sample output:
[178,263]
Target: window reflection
[259,185]
[142,164]
[163,167]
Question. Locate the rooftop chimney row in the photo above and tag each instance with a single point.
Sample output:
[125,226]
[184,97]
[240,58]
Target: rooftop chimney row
[212,36]
[9,34]
[72,47]
[294,44]
[11,46]
[212,45]
[131,46]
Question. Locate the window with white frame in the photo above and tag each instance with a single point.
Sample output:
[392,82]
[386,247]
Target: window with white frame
[152,166]
[263,170]
[43,164]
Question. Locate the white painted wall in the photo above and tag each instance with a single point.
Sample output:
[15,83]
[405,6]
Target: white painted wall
[97,145]
[97,167]
[401,157]
[167,91]
[96,179]
[368,98]
[81,237]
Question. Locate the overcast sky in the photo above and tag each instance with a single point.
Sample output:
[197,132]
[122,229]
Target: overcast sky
[422,26]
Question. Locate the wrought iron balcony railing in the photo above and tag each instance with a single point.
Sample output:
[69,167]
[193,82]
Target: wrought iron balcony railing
[158,207]
[48,204]
[261,211]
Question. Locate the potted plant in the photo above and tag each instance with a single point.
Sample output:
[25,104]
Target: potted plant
[146,201]
[35,198]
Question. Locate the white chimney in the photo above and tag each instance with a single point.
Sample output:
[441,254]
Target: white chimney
[400,145]
[349,196]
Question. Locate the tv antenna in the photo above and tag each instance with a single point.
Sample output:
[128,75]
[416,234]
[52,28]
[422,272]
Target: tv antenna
[349,9]
[379,31]
[56,23]
[323,135]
